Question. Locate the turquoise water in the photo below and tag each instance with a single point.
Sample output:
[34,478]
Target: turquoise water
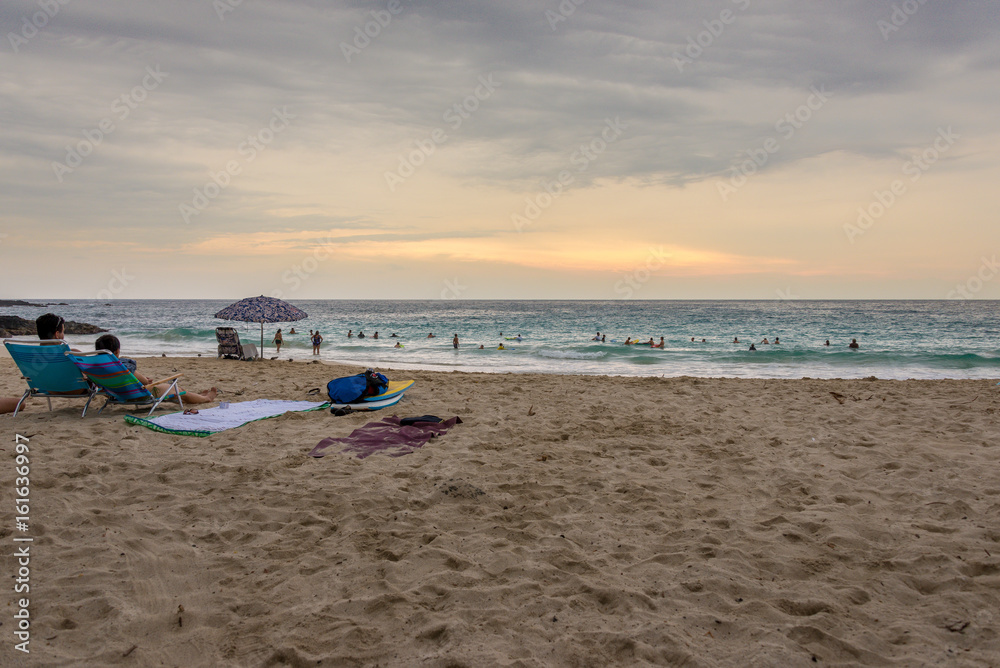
[899,339]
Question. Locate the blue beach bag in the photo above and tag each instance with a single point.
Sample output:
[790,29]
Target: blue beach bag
[354,388]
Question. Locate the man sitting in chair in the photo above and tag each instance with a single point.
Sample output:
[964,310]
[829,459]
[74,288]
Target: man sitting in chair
[49,327]
[111,343]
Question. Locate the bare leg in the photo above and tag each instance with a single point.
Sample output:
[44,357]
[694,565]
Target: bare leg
[7,405]
[205,397]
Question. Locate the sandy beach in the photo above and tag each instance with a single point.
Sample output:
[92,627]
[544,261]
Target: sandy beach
[569,521]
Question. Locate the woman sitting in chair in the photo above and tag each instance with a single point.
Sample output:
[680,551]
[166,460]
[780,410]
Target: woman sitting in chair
[111,343]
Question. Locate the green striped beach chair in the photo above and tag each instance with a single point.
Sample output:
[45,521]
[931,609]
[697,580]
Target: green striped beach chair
[118,384]
[49,374]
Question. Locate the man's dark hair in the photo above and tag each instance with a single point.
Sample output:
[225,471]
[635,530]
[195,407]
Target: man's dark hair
[47,325]
[108,342]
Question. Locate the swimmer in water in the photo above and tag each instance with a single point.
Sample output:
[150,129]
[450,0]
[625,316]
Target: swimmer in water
[398,345]
[628,341]
[376,335]
[827,342]
[350,333]
[361,334]
[603,336]
[431,335]
[454,341]
[853,344]
[776,341]
[597,338]
[500,347]
[765,341]
[651,342]
[661,344]
[753,347]
[736,339]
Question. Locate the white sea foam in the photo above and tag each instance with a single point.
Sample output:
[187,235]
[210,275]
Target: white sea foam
[570,355]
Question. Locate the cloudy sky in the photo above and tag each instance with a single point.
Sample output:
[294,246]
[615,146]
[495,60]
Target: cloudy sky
[512,149]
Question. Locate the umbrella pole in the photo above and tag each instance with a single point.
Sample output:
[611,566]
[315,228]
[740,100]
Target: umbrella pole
[262,339]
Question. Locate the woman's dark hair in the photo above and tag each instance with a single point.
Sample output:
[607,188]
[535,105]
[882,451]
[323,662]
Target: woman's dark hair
[47,325]
[108,342]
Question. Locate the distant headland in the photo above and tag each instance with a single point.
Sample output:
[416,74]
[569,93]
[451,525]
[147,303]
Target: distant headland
[11,325]
[18,302]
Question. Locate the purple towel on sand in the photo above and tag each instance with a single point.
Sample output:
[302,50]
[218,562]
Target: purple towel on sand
[387,435]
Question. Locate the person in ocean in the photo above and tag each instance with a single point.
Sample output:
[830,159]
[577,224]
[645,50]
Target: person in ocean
[827,342]
[277,341]
[597,338]
[292,331]
[765,341]
[431,335]
[853,344]
[736,339]
[482,347]
[753,347]
[651,342]
[394,336]
[376,335]
[603,336]
[703,340]
[398,345]
[776,341]
[316,340]
[500,347]
[692,339]
[361,334]
[454,341]
[350,333]
[628,341]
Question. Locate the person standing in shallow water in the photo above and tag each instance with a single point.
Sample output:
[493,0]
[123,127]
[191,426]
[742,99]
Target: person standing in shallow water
[316,340]
[454,341]
[853,344]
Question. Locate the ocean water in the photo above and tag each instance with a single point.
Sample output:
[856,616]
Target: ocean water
[899,339]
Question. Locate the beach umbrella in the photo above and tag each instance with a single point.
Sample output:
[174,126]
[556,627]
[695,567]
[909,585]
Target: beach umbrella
[262,309]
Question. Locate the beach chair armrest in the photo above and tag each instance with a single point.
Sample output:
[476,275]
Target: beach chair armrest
[165,380]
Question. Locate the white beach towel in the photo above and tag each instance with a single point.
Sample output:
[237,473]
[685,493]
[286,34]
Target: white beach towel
[213,420]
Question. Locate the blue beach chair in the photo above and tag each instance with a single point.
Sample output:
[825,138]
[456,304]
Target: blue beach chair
[49,374]
[117,383]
